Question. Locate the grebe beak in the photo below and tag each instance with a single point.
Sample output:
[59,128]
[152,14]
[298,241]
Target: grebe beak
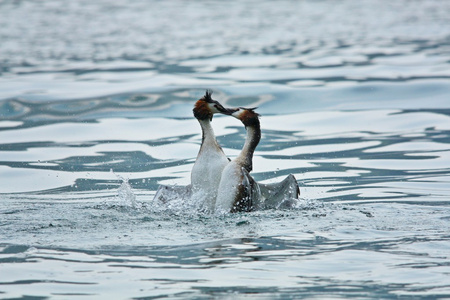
[222,109]
[230,111]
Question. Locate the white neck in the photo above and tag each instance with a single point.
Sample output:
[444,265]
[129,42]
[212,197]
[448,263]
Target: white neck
[207,130]
[207,169]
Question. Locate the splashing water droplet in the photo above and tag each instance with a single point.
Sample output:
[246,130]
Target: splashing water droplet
[126,195]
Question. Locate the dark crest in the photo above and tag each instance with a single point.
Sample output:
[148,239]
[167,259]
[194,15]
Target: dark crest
[252,110]
[207,96]
[249,108]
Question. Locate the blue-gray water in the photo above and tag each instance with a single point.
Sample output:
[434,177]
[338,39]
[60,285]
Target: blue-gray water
[96,111]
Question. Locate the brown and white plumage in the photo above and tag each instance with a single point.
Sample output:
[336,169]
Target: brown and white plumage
[237,190]
[220,186]
[208,167]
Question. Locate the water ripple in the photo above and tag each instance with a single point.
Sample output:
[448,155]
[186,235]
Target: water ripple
[96,113]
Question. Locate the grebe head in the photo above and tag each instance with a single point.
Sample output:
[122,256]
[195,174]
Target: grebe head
[206,107]
[247,115]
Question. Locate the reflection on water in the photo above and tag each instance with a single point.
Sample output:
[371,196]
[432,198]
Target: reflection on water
[96,112]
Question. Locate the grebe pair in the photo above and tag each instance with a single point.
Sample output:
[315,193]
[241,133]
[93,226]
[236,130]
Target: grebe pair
[224,186]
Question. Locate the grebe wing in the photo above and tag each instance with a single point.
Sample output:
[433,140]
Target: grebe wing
[253,195]
[249,196]
[282,194]
[166,193]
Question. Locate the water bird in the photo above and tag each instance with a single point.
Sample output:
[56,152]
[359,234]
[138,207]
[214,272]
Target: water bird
[237,190]
[210,161]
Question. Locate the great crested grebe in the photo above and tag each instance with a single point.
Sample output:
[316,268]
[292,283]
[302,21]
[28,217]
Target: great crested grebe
[207,169]
[211,160]
[237,190]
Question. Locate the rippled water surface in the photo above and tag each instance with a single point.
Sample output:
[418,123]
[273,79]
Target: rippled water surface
[96,111]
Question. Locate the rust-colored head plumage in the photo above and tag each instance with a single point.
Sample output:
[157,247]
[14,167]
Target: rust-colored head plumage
[202,111]
[247,116]
[206,107]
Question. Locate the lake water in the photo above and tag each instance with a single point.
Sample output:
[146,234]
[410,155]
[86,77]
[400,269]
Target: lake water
[96,105]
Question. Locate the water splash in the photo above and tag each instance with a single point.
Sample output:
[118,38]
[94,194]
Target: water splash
[125,195]
[181,201]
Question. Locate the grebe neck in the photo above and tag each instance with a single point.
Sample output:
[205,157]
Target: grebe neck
[207,131]
[252,140]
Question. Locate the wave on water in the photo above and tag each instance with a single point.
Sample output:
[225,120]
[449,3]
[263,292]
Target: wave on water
[96,113]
